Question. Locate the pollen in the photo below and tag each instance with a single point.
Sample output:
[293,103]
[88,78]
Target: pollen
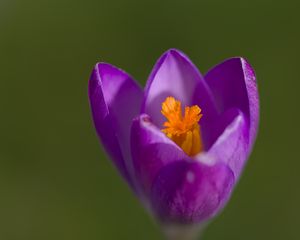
[184,130]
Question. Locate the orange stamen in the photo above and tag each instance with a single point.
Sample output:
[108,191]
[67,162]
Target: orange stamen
[183,130]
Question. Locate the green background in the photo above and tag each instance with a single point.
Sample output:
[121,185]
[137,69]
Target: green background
[56,182]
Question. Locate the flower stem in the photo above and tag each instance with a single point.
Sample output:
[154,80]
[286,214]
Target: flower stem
[185,232]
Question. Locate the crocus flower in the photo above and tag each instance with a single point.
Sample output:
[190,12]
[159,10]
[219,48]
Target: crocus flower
[182,142]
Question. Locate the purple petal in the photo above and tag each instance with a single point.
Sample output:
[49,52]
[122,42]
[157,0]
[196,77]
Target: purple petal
[186,190]
[209,111]
[151,150]
[233,84]
[189,191]
[175,75]
[231,142]
[115,100]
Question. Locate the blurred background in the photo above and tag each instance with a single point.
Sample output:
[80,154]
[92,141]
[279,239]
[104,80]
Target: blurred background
[55,180]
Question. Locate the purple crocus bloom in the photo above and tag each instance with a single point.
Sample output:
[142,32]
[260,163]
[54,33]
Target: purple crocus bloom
[187,178]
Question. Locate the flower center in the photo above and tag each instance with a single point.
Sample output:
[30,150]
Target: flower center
[183,130]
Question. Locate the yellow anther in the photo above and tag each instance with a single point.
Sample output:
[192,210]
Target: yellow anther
[183,130]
